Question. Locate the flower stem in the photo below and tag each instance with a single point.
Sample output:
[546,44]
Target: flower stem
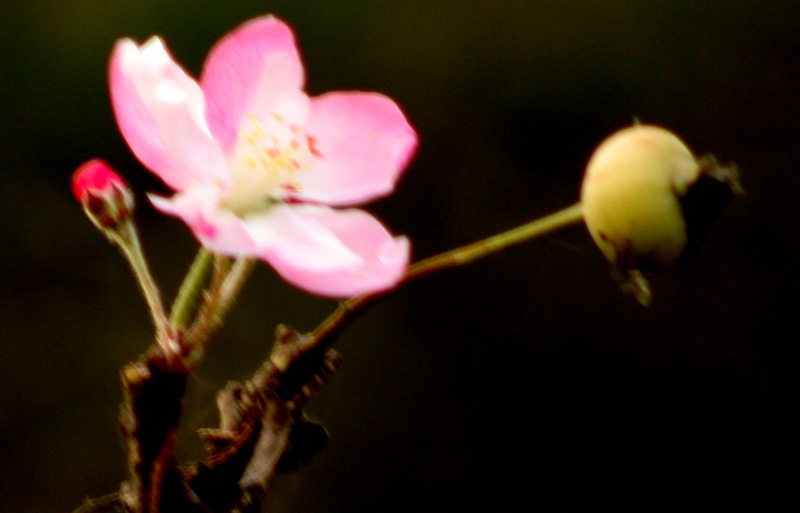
[185,304]
[456,257]
[127,238]
[489,246]
[225,287]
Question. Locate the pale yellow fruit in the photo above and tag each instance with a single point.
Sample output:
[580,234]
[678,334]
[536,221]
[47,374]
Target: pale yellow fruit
[631,197]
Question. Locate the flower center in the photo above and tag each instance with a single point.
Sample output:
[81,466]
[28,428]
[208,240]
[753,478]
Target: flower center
[266,164]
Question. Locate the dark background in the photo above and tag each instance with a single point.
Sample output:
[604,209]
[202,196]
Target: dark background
[523,382]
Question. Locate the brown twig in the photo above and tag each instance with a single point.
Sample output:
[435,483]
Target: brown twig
[262,430]
[154,387]
[260,426]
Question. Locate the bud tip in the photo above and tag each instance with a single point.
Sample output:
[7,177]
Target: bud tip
[103,194]
[94,177]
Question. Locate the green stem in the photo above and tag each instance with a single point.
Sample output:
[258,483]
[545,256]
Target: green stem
[127,238]
[483,248]
[194,283]
[221,297]
[456,257]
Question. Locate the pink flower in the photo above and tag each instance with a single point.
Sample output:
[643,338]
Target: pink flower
[103,194]
[257,164]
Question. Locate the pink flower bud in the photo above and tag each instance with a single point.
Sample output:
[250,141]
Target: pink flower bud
[104,196]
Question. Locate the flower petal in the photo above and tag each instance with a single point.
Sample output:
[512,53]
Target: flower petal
[362,143]
[218,230]
[160,112]
[250,71]
[335,253]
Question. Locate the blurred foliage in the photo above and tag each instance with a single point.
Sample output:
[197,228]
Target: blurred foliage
[526,381]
